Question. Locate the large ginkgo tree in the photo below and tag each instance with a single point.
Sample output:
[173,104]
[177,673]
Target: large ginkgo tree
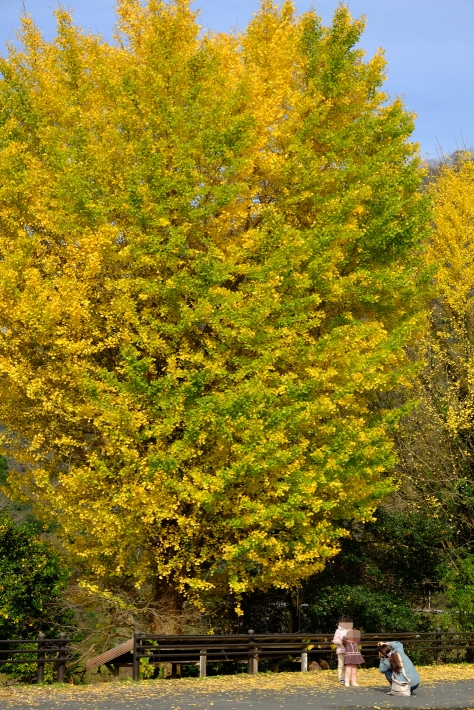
[208,273]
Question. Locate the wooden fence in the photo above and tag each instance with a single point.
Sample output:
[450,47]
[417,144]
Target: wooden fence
[38,651]
[248,649]
[252,648]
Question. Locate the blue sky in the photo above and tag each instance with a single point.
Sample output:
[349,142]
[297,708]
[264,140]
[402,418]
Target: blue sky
[429,45]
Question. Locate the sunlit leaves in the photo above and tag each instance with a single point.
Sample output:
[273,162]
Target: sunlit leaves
[208,269]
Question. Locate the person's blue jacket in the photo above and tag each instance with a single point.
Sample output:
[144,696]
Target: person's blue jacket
[410,670]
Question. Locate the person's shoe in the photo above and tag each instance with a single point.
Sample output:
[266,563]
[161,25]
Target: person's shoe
[413,693]
[347,685]
[341,682]
[388,693]
[355,685]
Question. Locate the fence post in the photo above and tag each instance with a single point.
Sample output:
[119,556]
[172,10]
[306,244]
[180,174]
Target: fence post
[62,656]
[253,660]
[304,661]
[136,657]
[203,663]
[439,662]
[41,657]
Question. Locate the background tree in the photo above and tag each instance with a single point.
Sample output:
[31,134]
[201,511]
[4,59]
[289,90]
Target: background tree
[435,443]
[209,267]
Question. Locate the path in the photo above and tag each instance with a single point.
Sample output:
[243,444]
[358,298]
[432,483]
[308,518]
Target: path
[294,693]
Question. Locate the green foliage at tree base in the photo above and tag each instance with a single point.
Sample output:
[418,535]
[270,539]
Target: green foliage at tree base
[460,592]
[32,577]
[373,611]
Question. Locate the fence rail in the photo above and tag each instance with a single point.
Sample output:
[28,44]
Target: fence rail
[200,650]
[252,648]
[39,651]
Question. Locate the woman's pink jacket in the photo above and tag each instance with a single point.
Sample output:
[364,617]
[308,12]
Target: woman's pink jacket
[338,636]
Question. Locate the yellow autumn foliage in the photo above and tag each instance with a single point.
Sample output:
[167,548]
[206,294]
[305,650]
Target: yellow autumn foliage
[434,443]
[451,252]
[208,271]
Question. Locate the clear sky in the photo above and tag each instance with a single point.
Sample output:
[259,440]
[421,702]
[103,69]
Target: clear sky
[429,45]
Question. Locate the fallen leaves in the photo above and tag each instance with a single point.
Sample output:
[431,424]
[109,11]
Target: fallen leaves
[282,682]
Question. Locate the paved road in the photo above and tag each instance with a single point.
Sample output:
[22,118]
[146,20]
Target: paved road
[457,695]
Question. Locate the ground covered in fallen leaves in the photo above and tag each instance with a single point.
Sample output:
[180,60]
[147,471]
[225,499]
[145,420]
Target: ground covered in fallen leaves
[96,693]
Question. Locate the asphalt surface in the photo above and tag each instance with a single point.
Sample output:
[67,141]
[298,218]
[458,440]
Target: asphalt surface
[437,696]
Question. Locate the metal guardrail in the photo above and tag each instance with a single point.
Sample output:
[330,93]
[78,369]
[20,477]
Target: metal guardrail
[251,648]
[39,651]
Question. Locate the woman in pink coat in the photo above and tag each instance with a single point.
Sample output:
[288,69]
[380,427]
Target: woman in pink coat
[345,623]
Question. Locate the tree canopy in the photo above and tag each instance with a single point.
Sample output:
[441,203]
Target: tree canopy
[208,269]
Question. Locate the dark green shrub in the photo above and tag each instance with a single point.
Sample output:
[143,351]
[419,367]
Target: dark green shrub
[32,577]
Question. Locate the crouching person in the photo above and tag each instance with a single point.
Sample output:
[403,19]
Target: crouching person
[398,668]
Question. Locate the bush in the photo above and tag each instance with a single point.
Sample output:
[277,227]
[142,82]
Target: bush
[372,611]
[32,577]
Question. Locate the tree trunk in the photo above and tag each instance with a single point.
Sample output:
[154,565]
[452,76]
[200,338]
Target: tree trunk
[168,609]
[293,613]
